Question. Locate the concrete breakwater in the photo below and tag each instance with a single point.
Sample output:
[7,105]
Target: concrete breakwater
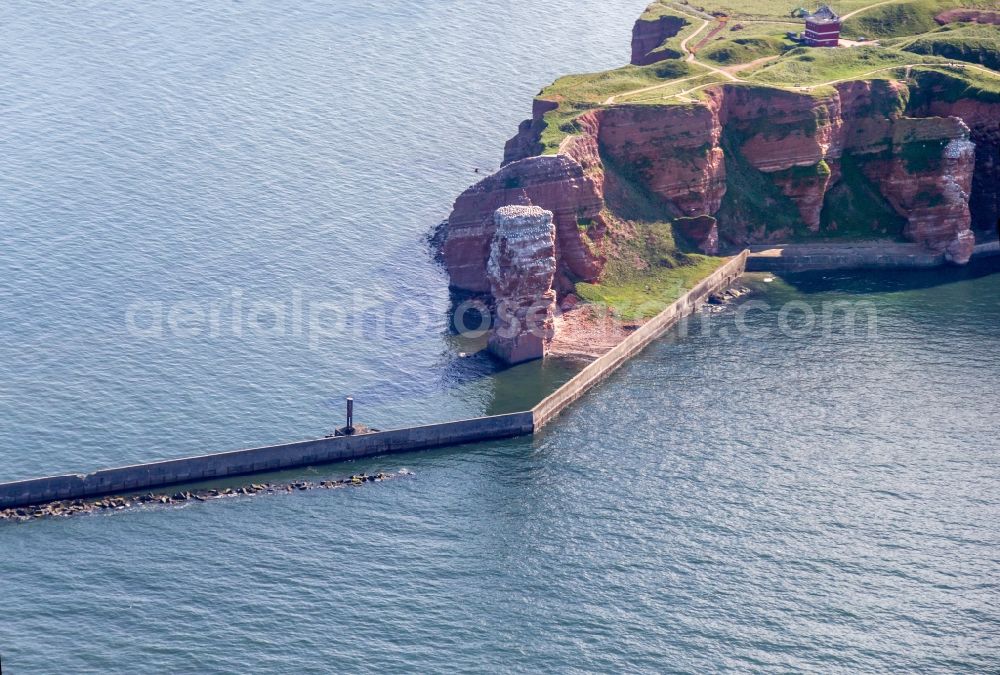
[599,369]
[143,477]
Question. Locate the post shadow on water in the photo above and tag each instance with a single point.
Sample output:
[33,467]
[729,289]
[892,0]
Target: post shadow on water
[860,282]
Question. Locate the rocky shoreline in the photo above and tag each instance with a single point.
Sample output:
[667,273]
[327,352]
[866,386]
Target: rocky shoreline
[66,508]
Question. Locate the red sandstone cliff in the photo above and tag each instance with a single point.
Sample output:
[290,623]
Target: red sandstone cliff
[520,269]
[929,182]
[648,34]
[674,151]
[525,143]
[936,98]
[724,169]
[556,183]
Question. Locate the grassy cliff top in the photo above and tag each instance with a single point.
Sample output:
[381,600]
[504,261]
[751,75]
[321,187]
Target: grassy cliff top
[781,10]
[969,42]
[952,84]
[806,67]
[745,43]
[577,94]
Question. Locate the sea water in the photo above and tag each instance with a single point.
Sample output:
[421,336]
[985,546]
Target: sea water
[213,229]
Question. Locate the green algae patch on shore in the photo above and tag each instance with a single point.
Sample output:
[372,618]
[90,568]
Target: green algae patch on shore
[646,293]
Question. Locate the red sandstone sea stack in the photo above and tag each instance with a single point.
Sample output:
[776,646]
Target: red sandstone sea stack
[520,269]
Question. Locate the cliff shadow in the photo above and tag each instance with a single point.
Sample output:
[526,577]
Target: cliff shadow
[864,281]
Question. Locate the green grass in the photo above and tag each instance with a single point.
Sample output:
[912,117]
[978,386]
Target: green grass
[752,198]
[771,9]
[666,93]
[907,17]
[661,8]
[731,52]
[970,42]
[671,47]
[594,88]
[911,17]
[647,266]
[649,270]
[797,67]
[645,295]
[952,84]
[578,93]
[684,24]
[855,209]
[808,67]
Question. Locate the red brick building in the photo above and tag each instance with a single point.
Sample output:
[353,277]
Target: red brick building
[822,28]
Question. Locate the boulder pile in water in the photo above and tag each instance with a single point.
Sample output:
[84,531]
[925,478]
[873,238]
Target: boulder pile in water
[72,507]
[727,295]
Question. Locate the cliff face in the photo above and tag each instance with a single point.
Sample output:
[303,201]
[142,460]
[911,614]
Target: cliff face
[751,164]
[525,143]
[923,167]
[648,34]
[936,97]
[673,151]
[983,120]
[520,270]
[928,180]
[556,183]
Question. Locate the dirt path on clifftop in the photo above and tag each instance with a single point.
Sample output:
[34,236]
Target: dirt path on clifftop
[691,58]
[908,67]
[611,99]
[684,42]
[728,73]
[752,64]
[745,66]
[865,9]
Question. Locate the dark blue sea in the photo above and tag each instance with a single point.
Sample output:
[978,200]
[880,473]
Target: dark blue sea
[213,221]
